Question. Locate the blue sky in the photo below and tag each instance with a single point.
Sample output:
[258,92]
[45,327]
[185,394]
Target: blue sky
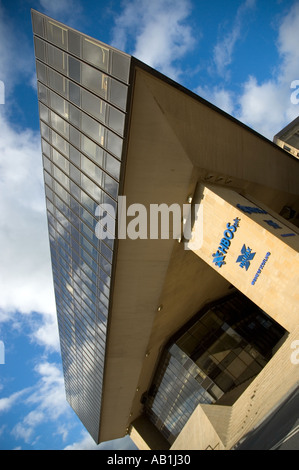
[242,55]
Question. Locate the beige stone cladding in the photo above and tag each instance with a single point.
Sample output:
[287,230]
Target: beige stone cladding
[253,248]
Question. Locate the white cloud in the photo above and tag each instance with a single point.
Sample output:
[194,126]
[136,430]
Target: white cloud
[63,431]
[34,418]
[46,398]
[49,393]
[224,49]
[8,402]
[56,8]
[264,106]
[25,269]
[66,11]
[288,42]
[159,30]
[23,432]
[45,333]
[87,443]
[219,96]
[267,106]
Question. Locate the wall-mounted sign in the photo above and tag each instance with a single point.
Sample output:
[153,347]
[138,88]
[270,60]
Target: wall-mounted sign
[225,242]
[275,225]
[245,257]
[272,223]
[251,210]
[260,268]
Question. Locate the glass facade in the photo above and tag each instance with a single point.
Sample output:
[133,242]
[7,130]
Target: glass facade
[82,93]
[213,359]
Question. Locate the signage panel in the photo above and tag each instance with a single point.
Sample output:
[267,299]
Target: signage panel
[252,248]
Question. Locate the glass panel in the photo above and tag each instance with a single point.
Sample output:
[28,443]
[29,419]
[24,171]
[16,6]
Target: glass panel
[198,331]
[60,143]
[92,150]
[87,246]
[75,156]
[94,80]
[95,54]
[120,66]
[74,69]
[74,93]
[87,217]
[58,82]
[114,144]
[92,189]
[59,124]
[60,161]
[75,206]
[42,92]
[39,47]
[75,174]
[93,105]
[105,265]
[93,129]
[112,166]
[59,104]
[41,72]
[43,112]
[105,277]
[86,201]
[47,164]
[111,186]
[116,120]
[37,22]
[118,94]
[57,59]
[62,192]
[49,193]
[56,34]
[106,252]
[74,40]
[92,170]
[108,200]
[48,179]
[89,234]
[74,136]
[46,148]
[75,116]
[62,178]
[45,131]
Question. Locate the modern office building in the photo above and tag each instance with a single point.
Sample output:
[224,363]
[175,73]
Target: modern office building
[184,341]
[288,138]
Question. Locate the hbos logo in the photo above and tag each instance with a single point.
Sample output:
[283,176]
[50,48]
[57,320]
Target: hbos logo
[245,257]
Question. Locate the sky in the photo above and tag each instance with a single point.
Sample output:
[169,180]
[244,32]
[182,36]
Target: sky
[241,55]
